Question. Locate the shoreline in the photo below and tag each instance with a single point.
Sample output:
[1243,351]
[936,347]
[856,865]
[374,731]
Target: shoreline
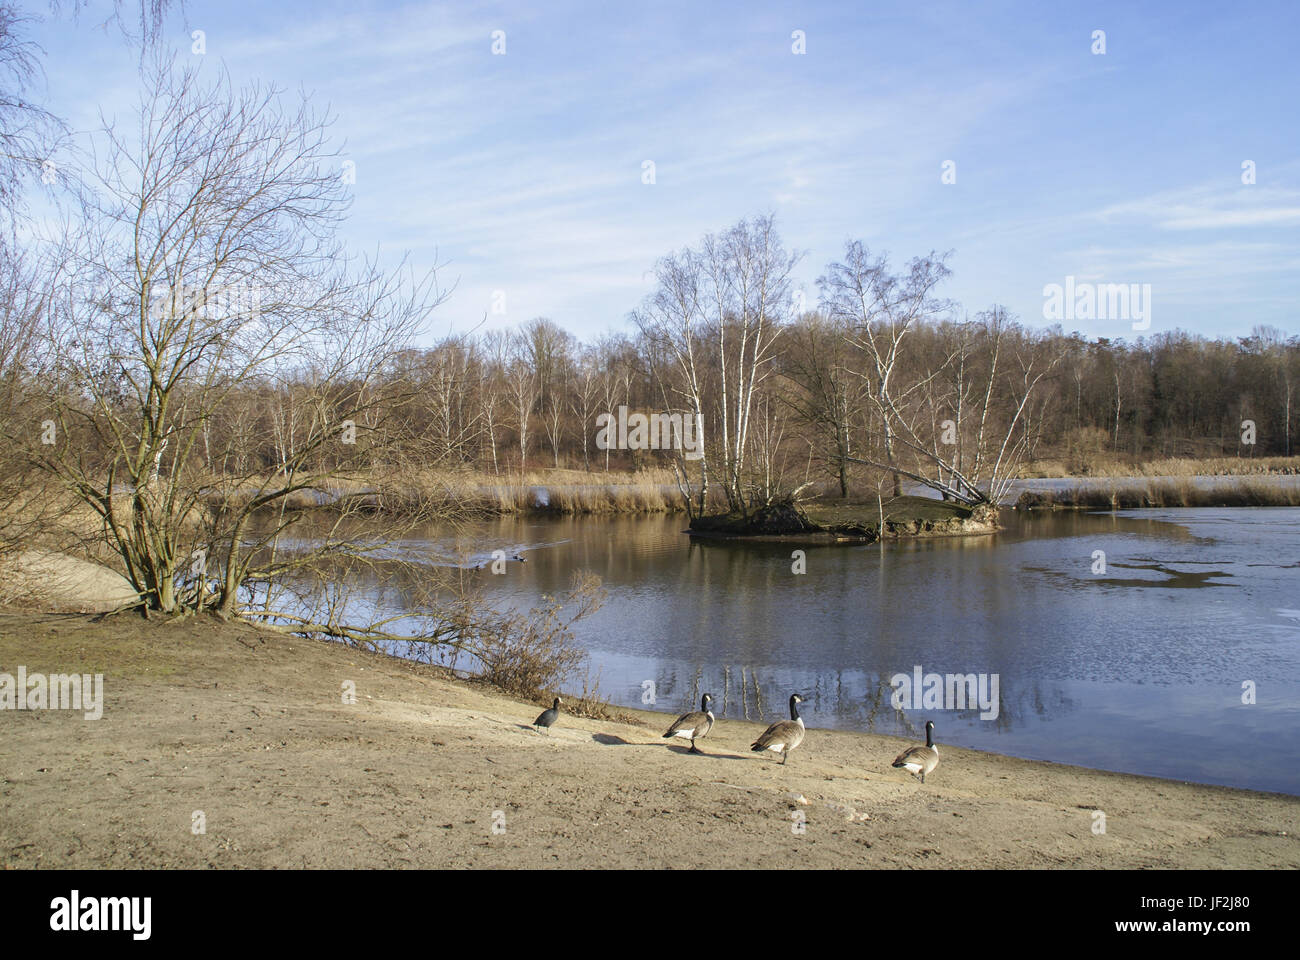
[250,729]
[649,717]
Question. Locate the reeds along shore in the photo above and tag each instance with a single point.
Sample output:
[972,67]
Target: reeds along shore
[570,493]
[563,492]
[1215,482]
[1235,481]
[1164,467]
[1238,482]
[1167,492]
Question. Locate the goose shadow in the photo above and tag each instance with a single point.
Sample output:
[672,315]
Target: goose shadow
[611,740]
[675,748]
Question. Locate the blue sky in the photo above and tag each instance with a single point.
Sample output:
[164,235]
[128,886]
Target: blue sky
[523,173]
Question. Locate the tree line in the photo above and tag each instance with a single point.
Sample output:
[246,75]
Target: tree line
[881,373]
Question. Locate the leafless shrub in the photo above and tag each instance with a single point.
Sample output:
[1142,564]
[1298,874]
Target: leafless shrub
[529,653]
[592,705]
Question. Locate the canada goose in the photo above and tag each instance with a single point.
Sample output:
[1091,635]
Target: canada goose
[519,558]
[692,726]
[548,717]
[920,760]
[784,735]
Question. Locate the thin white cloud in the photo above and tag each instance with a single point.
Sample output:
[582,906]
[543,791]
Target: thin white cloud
[1213,219]
[1210,207]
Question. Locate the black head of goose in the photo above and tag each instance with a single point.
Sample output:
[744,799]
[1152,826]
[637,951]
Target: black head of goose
[920,760]
[692,726]
[784,735]
[548,717]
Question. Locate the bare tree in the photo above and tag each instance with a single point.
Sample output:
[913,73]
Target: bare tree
[717,314]
[30,503]
[140,22]
[205,264]
[614,380]
[671,322]
[823,391]
[584,399]
[29,134]
[1012,364]
[878,310]
[521,391]
[747,273]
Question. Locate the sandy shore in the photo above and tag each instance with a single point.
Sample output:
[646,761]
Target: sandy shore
[64,583]
[251,729]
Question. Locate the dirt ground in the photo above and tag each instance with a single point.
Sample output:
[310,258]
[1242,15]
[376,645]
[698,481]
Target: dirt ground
[250,728]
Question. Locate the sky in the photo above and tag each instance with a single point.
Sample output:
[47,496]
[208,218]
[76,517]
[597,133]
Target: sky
[521,174]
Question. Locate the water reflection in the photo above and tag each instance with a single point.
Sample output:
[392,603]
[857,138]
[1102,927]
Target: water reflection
[1092,670]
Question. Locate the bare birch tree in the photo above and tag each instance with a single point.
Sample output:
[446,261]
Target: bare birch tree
[878,310]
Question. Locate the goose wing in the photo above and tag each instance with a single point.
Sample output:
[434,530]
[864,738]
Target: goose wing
[688,721]
[780,732]
[924,756]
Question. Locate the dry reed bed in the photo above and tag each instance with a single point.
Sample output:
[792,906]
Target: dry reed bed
[1166,492]
[1167,467]
[563,492]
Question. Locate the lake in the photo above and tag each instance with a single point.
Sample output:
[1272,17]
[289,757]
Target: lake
[1138,667]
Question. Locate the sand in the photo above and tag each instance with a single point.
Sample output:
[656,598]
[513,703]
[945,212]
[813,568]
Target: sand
[66,584]
[245,733]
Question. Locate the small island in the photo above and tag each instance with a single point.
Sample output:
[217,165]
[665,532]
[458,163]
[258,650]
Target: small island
[864,520]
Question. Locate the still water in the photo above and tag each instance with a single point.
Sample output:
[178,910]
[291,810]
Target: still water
[1139,668]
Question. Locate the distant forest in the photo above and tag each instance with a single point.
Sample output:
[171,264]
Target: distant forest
[1172,394]
[881,372]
